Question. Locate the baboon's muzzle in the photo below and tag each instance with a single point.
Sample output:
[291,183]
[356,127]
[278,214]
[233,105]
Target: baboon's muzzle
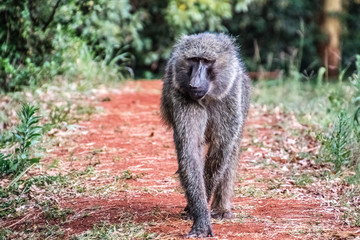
[197,94]
[199,83]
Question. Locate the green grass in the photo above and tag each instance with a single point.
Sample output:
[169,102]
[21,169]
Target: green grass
[42,192]
[329,110]
[313,104]
[15,197]
[124,230]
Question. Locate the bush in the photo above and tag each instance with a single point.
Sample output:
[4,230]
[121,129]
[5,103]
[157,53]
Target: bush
[25,38]
[107,28]
[36,34]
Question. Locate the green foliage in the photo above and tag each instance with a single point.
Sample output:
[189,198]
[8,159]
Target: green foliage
[25,50]
[13,76]
[107,28]
[194,16]
[280,20]
[27,133]
[36,35]
[80,64]
[25,136]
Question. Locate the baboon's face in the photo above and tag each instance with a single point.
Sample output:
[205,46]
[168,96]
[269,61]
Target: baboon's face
[200,71]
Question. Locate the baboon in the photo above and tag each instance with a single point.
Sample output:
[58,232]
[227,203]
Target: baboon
[205,100]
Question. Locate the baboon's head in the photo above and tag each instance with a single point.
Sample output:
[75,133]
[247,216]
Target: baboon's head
[205,65]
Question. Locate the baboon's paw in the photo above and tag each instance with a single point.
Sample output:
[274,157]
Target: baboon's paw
[221,214]
[200,231]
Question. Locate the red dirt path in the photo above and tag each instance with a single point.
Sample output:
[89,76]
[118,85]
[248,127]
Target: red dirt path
[132,137]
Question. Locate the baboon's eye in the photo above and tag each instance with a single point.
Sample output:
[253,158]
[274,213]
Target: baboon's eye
[194,59]
[203,60]
[207,61]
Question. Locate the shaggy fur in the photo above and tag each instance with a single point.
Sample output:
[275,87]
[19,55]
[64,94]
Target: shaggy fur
[217,119]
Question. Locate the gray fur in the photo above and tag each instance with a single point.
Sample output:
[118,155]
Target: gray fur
[217,119]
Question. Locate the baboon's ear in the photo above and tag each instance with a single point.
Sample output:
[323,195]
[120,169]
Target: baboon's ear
[183,38]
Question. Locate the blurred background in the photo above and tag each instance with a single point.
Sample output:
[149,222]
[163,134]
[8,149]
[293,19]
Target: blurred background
[63,61]
[41,39]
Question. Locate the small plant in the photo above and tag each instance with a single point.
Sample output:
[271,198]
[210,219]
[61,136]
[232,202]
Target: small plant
[26,135]
[335,147]
[127,174]
[59,114]
[52,211]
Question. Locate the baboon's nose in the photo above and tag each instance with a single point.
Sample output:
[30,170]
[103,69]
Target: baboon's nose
[193,87]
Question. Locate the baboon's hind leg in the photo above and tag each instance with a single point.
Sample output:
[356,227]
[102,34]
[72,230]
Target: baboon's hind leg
[221,203]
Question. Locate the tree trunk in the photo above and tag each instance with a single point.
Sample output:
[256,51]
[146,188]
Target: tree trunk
[331,26]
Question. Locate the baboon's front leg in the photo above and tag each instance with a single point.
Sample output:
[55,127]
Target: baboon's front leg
[189,141]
